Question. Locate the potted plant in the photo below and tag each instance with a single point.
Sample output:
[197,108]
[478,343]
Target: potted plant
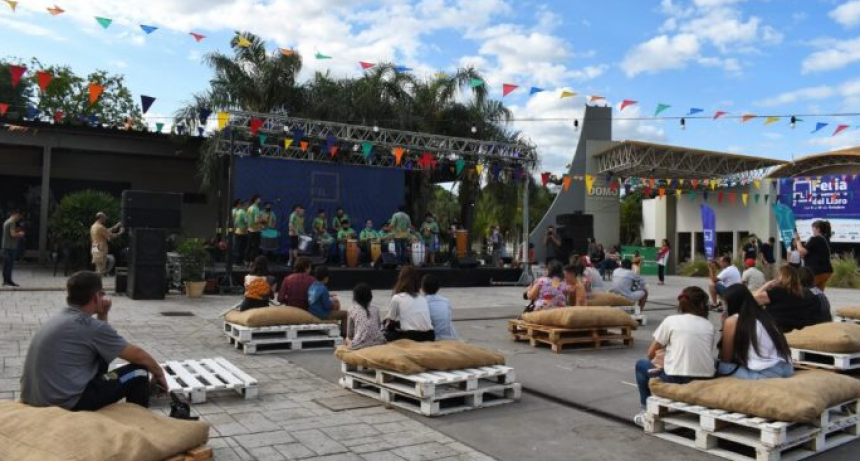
[193,258]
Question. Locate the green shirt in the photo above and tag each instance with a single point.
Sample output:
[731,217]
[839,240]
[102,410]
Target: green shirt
[240,222]
[431,228]
[367,234]
[346,233]
[401,222]
[270,219]
[335,221]
[318,226]
[253,215]
[297,224]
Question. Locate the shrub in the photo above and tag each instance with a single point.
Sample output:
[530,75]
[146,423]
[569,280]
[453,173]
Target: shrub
[69,226]
[845,272]
[193,259]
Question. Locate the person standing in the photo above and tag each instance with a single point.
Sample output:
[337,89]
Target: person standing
[430,237]
[751,249]
[240,232]
[100,235]
[552,244]
[767,260]
[401,223]
[496,244]
[816,253]
[296,229]
[11,235]
[662,260]
[255,227]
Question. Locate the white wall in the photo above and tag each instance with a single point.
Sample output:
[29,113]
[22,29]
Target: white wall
[654,219]
[754,218]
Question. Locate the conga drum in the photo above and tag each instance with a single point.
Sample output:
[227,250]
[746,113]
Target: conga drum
[462,237]
[375,249]
[305,243]
[417,254]
[269,240]
[352,252]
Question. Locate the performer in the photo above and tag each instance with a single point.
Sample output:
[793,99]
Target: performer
[255,226]
[240,232]
[296,229]
[100,235]
[268,216]
[318,226]
[401,223]
[346,232]
[366,237]
[338,218]
[430,236]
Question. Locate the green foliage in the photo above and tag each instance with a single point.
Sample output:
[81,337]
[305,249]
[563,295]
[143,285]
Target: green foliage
[695,268]
[193,259]
[18,98]
[845,272]
[76,212]
[631,219]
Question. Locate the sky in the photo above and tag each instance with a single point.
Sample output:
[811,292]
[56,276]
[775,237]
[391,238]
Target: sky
[762,57]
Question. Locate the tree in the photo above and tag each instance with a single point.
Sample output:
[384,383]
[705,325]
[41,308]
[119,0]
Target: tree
[631,218]
[18,98]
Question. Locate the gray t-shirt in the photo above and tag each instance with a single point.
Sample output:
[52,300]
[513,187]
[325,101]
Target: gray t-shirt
[625,282]
[64,356]
[9,242]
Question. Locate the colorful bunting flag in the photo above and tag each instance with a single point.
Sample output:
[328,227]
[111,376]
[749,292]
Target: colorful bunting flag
[286,51]
[544,178]
[660,108]
[223,118]
[304,146]
[566,183]
[3,108]
[719,114]
[535,90]
[694,182]
[720,196]
[507,88]
[287,143]
[330,144]
[58,116]
[263,138]
[678,193]
[595,98]
[770,120]
[17,72]
[479,169]
[398,155]
[694,111]
[627,102]
[243,42]
[321,56]
[745,198]
[732,197]
[203,115]
[254,125]
[402,69]
[567,94]
[44,78]
[298,134]
[56,10]
[705,195]
[95,91]
[476,82]
[158,127]
[661,192]
[333,151]
[713,184]
[366,149]
[427,161]
[460,165]
[440,75]
[148,29]
[757,183]
[589,183]
[12,4]
[819,126]
[756,198]
[747,117]
[104,22]
[366,65]
[839,129]
[146,102]
[197,37]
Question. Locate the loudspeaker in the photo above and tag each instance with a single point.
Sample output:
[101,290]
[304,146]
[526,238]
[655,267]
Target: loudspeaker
[147,281]
[148,246]
[466,263]
[389,261]
[121,284]
[151,209]
[575,219]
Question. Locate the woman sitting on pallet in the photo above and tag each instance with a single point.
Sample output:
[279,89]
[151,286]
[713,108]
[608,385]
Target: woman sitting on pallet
[259,286]
[363,327]
[753,347]
[686,341]
[409,314]
[551,291]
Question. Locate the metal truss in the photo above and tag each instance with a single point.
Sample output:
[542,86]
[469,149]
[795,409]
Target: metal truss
[349,139]
[810,165]
[653,161]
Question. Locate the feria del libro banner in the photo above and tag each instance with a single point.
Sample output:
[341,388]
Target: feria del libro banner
[835,198]
[709,229]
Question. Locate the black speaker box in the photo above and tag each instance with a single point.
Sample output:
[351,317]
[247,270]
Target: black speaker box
[466,263]
[147,281]
[151,209]
[389,261]
[575,220]
[148,246]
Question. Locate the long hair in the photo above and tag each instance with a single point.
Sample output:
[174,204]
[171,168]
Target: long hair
[407,281]
[789,278]
[362,295]
[260,267]
[693,300]
[824,228]
[554,270]
[746,333]
[735,297]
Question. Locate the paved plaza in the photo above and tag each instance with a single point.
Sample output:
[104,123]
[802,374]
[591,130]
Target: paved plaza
[576,405]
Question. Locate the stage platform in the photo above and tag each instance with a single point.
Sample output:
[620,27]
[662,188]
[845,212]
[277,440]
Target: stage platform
[383,279]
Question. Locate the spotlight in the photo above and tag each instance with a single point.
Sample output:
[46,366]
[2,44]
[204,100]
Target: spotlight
[793,121]
[576,124]
[683,124]
[375,129]
[474,129]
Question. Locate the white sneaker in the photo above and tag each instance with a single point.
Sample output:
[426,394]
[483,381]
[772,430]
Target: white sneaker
[639,419]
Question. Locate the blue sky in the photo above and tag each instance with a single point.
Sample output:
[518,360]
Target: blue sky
[765,57]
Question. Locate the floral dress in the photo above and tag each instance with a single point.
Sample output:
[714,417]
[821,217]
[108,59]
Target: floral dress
[363,327]
[553,292]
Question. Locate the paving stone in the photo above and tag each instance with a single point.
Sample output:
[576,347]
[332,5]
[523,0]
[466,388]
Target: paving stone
[267,454]
[263,439]
[338,457]
[320,443]
[294,451]
[425,452]
[352,431]
[381,456]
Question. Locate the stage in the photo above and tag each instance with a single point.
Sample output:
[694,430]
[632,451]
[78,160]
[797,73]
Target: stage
[344,278]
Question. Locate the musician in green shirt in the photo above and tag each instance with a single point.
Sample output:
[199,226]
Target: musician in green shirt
[366,238]
[296,229]
[430,237]
[338,218]
[400,223]
[345,233]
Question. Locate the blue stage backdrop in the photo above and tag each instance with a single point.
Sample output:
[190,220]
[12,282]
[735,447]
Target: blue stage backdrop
[363,192]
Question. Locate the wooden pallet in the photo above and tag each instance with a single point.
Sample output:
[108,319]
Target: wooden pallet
[558,338]
[740,437]
[434,384]
[273,346]
[282,332]
[826,360]
[197,378]
[839,318]
[201,453]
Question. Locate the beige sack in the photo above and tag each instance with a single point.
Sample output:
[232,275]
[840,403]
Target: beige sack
[609,299]
[827,337]
[411,357]
[581,317]
[849,312]
[122,431]
[801,398]
[272,316]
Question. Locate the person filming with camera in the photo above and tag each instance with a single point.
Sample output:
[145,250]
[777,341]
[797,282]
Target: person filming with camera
[552,244]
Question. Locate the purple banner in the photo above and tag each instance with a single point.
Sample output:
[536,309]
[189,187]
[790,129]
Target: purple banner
[831,197]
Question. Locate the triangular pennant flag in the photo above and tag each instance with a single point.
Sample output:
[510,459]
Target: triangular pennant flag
[58,116]
[819,126]
[104,22]
[333,151]
[263,138]
[566,183]
[427,161]
[12,4]
[56,10]
[460,165]
[366,149]
[148,29]
[321,56]
[647,191]
[628,188]
[692,195]
[440,75]
[243,42]
[613,185]
[589,183]
[287,143]
[678,193]
[757,183]
[223,118]
[544,178]
[626,103]
[507,88]
[287,51]
[839,129]
[200,129]
[17,72]
[652,182]
[535,90]
[567,94]
[476,82]
[398,155]
[146,103]
[366,65]
[695,110]
[158,127]
[713,184]
[409,165]
[180,129]
[255,124]
[479,169]
[402,69]
[770,120]
[3,108]
[747,117]
[719,114]
[660,108]
[681,182]
[720,196]
[732,197]
[44,78]
[197,37]
[694,182]
[595,98]
[757,197]
[304,146]
[745,198]
[706,196]
[95,91]
[330,143]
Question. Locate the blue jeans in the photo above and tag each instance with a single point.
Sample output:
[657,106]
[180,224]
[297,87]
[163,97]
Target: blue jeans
[401,246]
[642,378]
[781,370]
[9,256]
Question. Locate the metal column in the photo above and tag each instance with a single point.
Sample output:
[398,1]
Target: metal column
[45,201]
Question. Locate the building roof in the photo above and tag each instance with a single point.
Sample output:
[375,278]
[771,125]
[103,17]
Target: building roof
[844,161]
[645,159]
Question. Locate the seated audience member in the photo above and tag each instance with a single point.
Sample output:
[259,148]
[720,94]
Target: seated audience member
[294,288]
[723,274]
[627,283]
[752,346]
[788,303]
[593,280]
[637,262]
[807,279]
[551,291]
[610,262]
[321,303]
[440,309]
[363,327]
[752,277]
[258,285]
[572,276]
[67,360]
[409,316]
[687,340]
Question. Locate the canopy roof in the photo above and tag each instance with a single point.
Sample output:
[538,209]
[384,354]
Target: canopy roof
[845,161]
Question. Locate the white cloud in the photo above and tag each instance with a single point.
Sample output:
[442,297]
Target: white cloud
[844,140]
[847,14]
[836,55]
[29,29]
[661,53]
[791,97]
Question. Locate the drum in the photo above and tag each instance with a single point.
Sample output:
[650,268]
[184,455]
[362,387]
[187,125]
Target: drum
[417,254]
[269,240]
[305,243]
[352,252]
[375,249]
[462,237]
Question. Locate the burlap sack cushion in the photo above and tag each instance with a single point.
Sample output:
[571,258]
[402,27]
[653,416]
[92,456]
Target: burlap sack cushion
[849,312]
[801,398]
[410,357]
[827,337]
[581,317]
[271,316]
[609,299]
[122,431]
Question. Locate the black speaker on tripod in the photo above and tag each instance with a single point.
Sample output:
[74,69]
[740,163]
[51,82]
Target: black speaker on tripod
[147,269]
[146,209]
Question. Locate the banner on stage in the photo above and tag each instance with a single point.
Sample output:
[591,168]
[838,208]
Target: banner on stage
[829,197]
[785,221]
[709,229]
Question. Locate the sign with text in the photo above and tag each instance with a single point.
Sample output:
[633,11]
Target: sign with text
[709,229]
[834,198]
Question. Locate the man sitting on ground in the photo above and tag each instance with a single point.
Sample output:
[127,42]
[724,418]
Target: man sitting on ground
[629,284]
[440,309]
[67,362]
[728,275]
[294,289]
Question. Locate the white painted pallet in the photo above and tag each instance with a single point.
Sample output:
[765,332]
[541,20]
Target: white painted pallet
[434,384]
[289,332]
[740,437]
[486,395]
[197,378]
[827,360]
[274,346]
[636,313]
[839,318]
